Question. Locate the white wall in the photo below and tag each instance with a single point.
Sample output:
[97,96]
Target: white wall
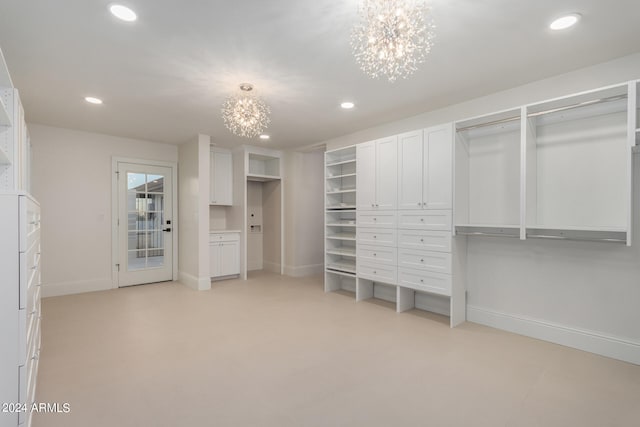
[72,181]
[304,213]
[193,211]
[580,294]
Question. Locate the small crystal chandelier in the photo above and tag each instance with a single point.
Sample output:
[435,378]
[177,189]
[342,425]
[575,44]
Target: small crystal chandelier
[392,38]
[245,114]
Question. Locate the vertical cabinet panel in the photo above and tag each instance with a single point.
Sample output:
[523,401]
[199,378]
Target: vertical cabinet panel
[215,269]
[438,167]
[410,170]
[386,173]
[366,178]
[221,178]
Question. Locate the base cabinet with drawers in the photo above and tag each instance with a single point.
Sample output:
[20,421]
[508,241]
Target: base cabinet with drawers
[224,254]
[19,304]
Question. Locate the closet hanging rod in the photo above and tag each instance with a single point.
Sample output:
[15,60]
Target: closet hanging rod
[581,239]
[540,113]
[481,233]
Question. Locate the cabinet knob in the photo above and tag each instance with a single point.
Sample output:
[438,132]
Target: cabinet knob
[422,260]
[422,240]
[373,205]
[375,254]
[421,280]
[419,204]
[421,219]
[375,219]
[375,272]
[375,237]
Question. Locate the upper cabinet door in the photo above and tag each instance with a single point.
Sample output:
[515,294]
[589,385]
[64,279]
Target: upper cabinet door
[387,173]
[438,167]
[366,175]
[221,178]
[410,173]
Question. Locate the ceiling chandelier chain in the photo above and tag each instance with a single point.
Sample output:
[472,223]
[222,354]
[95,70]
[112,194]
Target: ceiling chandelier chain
[245,114]
[392,38]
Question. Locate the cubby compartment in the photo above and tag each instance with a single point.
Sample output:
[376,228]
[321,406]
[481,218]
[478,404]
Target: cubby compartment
[263,167]
[336,281]
[487,177]
[368,289]
[578,169]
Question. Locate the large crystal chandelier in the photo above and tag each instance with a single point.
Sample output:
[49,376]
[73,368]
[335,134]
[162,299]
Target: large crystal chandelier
[245,114]
[392,38]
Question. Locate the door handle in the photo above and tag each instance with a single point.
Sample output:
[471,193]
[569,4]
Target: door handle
[167,229]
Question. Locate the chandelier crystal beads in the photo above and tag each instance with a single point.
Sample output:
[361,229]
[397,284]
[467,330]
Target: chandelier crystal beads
[392,38]
[245,115]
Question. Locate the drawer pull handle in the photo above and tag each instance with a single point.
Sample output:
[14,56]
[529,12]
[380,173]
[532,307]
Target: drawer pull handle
[422,240]
[375,254]
[419,204]
[421,219]
[375,272]
[375,237]
[421,280]
[375,219]
[422,260]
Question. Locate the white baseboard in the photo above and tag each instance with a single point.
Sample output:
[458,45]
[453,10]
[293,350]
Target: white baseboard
[77,287]
[590,341]
[195,283]
[303,270]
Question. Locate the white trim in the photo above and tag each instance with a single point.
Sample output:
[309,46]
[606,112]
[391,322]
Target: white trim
[193,282]
[581,339]
[76,287]
[303,270]
[114,211]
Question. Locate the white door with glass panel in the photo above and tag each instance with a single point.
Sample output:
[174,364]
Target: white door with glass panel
[145,224]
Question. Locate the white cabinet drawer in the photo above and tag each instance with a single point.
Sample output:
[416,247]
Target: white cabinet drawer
[438,262]
[377,236]
[224,237]
[425,281]
[378,273]
[439,241]
[377,255]
[425,219]
[379,219]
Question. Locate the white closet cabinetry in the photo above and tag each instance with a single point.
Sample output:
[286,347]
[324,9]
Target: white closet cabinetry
[425,168]
[377,174]
[224,254]
[19,303]
[221,177]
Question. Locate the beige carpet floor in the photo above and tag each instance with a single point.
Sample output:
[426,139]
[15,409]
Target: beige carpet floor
[278,351]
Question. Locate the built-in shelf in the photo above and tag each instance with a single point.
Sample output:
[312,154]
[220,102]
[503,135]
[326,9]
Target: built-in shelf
[606,234]
[345,191]
[343,266]
[342,236]
[340,273]
[343,162]
[262,178]
[488,230]
[347,175]
[343,251]
[341,208]
[342,224]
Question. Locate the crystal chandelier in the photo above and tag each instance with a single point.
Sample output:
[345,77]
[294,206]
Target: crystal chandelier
[392,38]
[245,114]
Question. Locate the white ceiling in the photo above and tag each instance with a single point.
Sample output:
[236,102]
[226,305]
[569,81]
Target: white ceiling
[164,77]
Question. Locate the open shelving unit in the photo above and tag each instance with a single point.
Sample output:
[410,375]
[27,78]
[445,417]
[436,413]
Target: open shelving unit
[340,219]
[263,168]
[487,174]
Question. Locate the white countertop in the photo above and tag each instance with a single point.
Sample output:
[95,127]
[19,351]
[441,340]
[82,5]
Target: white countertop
[223,231]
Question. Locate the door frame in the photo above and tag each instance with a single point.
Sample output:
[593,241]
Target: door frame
[115,276]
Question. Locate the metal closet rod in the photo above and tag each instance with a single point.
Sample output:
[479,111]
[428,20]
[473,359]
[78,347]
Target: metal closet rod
[540,113]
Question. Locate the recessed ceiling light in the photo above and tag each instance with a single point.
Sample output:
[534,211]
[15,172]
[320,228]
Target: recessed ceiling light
[347,105]
[123,12]
[264,137]
[565,22]
[93,100]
